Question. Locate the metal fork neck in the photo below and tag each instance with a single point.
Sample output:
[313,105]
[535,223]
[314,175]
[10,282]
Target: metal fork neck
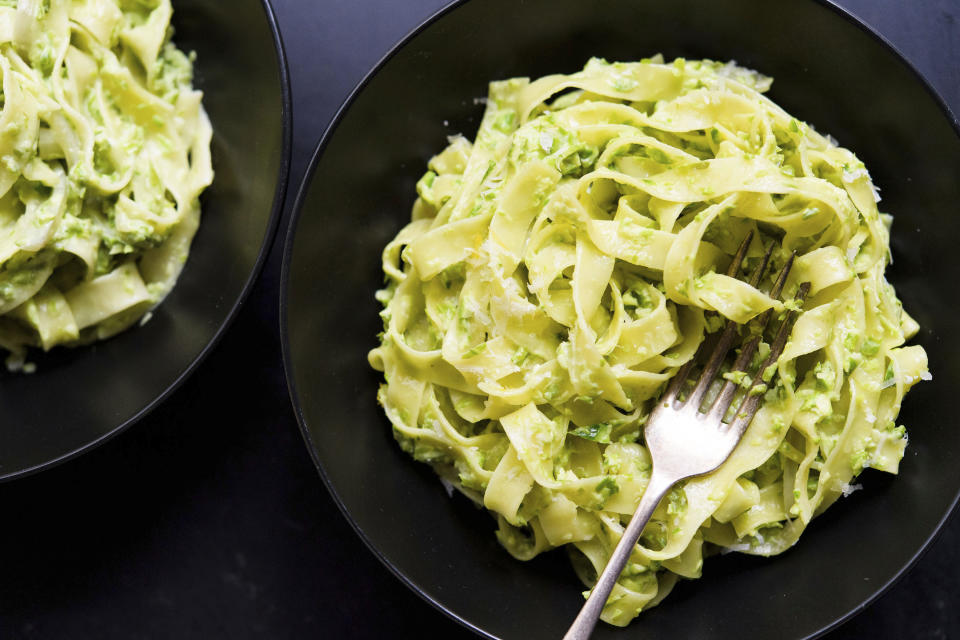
[583,626]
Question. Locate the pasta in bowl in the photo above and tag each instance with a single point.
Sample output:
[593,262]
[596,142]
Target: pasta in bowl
[560,268]
[106,152]
[108,157]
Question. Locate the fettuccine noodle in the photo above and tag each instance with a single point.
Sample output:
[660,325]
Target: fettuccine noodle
[104,151]
[563,266]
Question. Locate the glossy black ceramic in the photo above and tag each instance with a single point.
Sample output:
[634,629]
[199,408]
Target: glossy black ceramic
[830,71]
[79,398]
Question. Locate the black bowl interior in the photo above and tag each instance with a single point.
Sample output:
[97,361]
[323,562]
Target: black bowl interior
[830,71]
[79,397]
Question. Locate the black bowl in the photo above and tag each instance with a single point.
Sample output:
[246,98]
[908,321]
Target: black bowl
[79,398]
[829,70]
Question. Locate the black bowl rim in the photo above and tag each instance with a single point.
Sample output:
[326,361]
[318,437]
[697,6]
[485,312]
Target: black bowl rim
[279,199]
[297,210]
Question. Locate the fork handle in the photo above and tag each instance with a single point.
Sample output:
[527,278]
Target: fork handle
[586,620]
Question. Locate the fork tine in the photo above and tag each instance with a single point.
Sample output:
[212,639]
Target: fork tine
[676,383]
[748,409]
[725,398]
[734,267]
[758,274]
[723,345]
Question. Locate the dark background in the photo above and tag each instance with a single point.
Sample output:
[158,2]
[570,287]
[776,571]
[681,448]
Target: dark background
[208,519]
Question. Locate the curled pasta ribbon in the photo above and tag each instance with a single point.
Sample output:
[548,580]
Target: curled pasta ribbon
[561,267]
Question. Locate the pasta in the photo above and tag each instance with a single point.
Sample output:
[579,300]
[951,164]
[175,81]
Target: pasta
[104,151]
[559,270]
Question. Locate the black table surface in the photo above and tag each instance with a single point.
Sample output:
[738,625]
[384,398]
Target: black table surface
[208,519]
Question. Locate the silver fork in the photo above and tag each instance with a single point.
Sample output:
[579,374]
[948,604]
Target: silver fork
[685,441]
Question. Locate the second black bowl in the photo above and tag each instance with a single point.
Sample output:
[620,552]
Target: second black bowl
[830,71]
[80,397]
